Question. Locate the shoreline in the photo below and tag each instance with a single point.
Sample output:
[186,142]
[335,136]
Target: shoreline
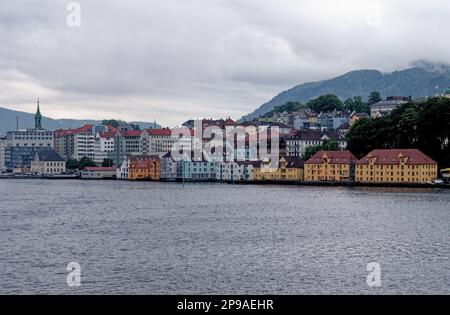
[256,183]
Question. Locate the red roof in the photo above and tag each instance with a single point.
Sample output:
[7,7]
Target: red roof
[107,134]
[111,128]
[336,157]
[62,132]
[85,128]
[230,122]
[141,161]
[393,157]
[100,169]
[131,133]
[159,132]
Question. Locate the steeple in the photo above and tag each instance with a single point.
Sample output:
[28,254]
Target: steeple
[38,118]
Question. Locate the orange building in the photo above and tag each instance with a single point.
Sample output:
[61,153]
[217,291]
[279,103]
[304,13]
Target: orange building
[330,166]
[144,167]
[396,166]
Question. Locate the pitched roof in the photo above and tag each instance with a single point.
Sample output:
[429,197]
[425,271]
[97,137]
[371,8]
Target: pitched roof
[294,162]
[393,157]
[84,129]
[131,133]
[49,155]
[143,157]
[344,126]
[107,134]
[316,135]
[230,122]
[159,132]
[335,157]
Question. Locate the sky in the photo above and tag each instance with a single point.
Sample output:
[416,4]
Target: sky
[173,60]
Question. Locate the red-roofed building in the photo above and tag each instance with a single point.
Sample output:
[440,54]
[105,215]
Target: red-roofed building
[330,166]
[81,142]
[76,143]
[396,166]
[143,167]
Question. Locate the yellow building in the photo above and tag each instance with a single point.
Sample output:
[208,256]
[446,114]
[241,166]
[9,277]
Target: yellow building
[289,169]
[396,166]
[143,167]
[330,166]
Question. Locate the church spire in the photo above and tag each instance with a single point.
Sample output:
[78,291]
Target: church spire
[38,118]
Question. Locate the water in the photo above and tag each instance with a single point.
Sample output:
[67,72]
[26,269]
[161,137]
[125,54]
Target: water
[161,238]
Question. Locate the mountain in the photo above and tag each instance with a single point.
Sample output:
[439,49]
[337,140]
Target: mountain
[8,120]
[425,79]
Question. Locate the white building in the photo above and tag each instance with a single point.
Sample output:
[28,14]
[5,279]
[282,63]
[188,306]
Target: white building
[31,138]
[122,170]
[385,107]
[48,162]
[296,145]
[2,154]
[157,141]
[171,170]
[84,142]
[236,171]
[99,173]
[104,147]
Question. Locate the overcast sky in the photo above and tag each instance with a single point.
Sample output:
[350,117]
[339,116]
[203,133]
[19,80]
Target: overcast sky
[172,60]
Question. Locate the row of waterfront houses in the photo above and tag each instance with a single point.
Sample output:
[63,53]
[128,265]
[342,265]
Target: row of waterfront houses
[409,166]
[146,155]
[99,143]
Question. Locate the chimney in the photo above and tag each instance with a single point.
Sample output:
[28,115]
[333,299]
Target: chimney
[17,123]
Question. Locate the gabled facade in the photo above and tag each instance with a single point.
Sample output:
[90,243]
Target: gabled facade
[48,162]
[171,170]
[105,146]
[396,166]
[236,171]
[198,170]
[289,169]
[144,167]
[331,166]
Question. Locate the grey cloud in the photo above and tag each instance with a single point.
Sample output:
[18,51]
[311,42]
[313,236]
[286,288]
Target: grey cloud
[202,58]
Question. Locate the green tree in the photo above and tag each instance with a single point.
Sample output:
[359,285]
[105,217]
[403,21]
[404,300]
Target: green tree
[356,104]
[110,122]
[330,145]
[86,162]
[424,126]
[72,164]
[327,145]
[107,163]
[289,107]
[326,103]
[374,98]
